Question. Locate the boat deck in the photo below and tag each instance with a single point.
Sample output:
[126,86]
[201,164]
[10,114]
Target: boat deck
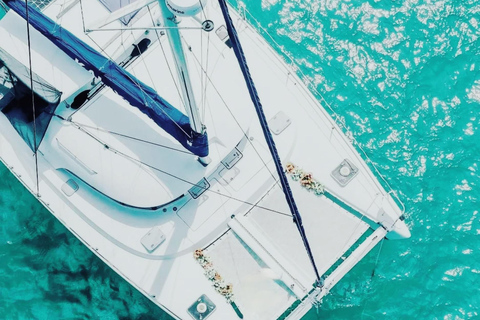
[129,188]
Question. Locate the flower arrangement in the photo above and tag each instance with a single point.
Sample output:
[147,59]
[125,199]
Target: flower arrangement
[225,289]
[306,179]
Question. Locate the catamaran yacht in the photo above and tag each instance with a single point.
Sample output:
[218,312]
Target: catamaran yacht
[186,153]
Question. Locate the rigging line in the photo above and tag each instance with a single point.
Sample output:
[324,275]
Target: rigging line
[212,191]
[378,256]
[102,50]
[338,120]
[206,71]
[177,177]
[88,35]
[204,80]
[123,46]
[138,86]
[127,136]
[236,121]
[204,77]
[59,18]
[93,40]
[27,18]
[143,28]
[358,224]
[110,56]
[203,10]
[148,72]
[83,17]
[166,60]
[122,41]
[240,55]
[369,288]
[295,70]
[142,59]
[201,72]
[329,121]
[144,94]
[345,247]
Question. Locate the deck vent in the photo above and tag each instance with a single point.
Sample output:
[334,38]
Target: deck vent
[279,123]
[70,187]
[153,239]
[201,308]
[345,172]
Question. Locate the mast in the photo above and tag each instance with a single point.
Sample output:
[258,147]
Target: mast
[169,21]
[138,94]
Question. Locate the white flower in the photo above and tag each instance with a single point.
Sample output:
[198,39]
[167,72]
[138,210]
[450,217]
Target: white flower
[210,273]
[218,283]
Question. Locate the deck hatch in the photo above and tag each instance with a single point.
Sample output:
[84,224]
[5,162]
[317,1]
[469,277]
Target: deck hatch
[279,123]
[153,239]
[222,33]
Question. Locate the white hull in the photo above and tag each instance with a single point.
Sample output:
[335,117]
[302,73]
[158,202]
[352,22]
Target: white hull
[255,247]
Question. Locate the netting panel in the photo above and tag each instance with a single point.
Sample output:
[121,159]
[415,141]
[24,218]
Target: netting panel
[39,4]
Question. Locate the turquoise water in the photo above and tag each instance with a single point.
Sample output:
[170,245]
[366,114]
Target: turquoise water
[405,75]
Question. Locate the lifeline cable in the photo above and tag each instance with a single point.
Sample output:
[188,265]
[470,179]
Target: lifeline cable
[35,147]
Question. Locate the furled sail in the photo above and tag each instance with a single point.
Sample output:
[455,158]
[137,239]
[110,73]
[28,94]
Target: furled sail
[125,84]
[237,48]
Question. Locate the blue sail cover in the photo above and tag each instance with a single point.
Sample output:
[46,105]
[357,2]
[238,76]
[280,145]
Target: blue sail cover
[125,84]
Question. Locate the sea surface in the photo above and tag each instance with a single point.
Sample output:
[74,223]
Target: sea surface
[405,76]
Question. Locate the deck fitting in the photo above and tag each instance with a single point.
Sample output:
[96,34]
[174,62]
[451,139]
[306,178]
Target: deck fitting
[201,308]
[344,173]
